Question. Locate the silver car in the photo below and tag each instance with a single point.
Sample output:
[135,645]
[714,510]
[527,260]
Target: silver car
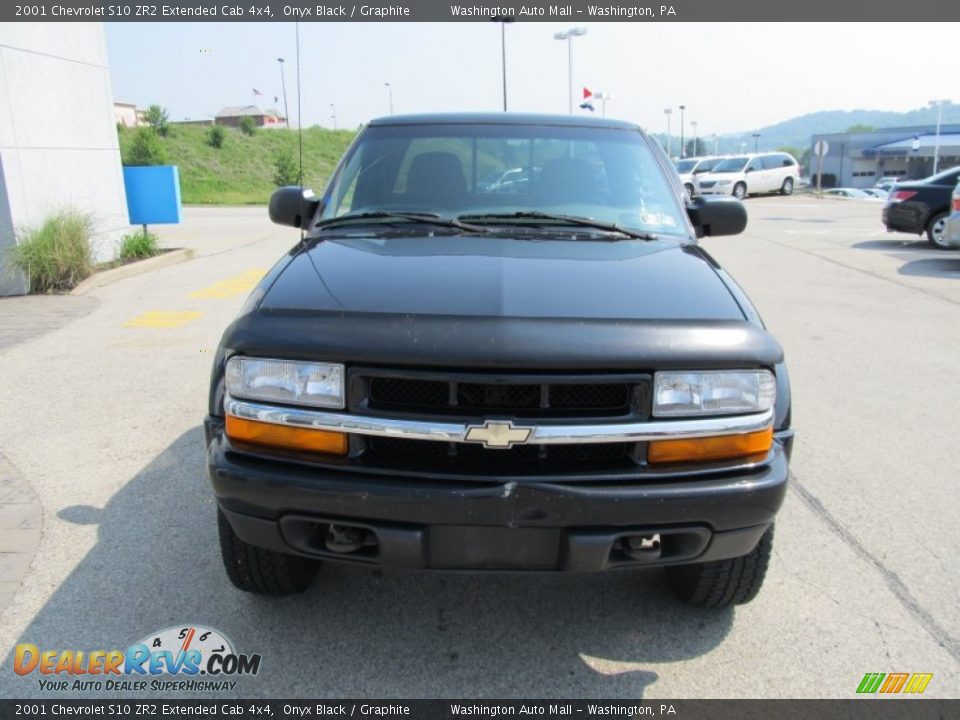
[951,235]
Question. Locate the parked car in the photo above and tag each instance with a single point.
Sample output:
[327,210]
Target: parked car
[922,206]
[744,175]
[690,168]
[850,193]
[878,193]
[886,183]
[559,379]
[953,221]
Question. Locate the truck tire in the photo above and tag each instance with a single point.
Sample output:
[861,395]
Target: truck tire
[723,583]
[260,571]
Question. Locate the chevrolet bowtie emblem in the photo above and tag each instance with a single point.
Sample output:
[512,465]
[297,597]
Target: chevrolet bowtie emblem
[500,435]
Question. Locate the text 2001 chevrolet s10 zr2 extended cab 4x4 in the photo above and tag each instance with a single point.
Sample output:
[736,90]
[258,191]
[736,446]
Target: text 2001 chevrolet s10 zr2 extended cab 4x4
[498,346]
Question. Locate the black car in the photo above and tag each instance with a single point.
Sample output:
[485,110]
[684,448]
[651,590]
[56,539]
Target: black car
[922,206]
[450,374]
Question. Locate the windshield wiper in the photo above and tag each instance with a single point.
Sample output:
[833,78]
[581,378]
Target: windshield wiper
[562,220]
[413,217]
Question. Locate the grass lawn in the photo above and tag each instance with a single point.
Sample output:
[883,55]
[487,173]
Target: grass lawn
[241,172]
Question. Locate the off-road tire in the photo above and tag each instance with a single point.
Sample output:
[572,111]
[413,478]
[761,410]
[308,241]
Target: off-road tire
[723,583]
[787,187]
[740,191]
[260,571]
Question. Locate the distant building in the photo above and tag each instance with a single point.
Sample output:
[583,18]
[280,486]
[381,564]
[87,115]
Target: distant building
[232,115]
[128,114]
[860,159]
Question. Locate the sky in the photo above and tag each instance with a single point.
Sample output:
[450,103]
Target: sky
[730,76]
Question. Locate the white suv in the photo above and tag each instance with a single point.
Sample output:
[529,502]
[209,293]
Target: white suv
[690,169]
[751,174]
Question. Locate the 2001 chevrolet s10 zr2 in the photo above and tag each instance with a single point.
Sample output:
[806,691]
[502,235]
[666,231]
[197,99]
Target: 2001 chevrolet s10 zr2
[498,346]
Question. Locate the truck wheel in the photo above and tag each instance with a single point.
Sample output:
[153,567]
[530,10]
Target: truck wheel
[937,231]
[260,571]
[739,191]
[723,583]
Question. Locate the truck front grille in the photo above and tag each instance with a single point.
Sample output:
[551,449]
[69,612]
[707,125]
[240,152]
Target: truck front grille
[476,459]
[517,399]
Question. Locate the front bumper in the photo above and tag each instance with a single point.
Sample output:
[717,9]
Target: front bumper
[717,190]
[547,524]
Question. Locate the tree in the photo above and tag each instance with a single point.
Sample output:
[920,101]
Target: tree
[696,149]
[860,128]
[247,125]
[285,171]
[158,119]
[215,136]
[145,149]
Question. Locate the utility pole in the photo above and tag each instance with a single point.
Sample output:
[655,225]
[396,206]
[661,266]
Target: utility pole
[569,35]
[668,112]
[503,20]
[389,95]
[938,104]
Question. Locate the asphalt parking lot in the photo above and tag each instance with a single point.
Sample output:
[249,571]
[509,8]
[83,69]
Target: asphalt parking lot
[101,430]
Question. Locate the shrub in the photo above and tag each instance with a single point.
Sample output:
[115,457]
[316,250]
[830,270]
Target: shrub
[145,149]
[215,136]
[285,170]
[136,245]
[56,255]
[158,119]
[247,125]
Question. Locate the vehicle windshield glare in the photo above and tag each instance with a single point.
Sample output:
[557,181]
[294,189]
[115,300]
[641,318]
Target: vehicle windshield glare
[730,165]
[610,175]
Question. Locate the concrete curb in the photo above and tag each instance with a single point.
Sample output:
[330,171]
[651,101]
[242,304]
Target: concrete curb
[98,280]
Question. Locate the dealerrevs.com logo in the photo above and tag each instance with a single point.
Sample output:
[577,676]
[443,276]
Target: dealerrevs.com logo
[184,658]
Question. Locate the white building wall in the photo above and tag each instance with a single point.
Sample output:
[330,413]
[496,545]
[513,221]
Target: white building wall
[58,139]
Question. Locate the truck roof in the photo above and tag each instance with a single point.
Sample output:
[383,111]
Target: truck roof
[501,118]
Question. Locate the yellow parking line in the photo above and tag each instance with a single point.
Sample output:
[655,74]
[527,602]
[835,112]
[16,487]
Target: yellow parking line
[242,283]
[162,319]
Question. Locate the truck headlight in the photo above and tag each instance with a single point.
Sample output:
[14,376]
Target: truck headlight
[290,382]
[716,392]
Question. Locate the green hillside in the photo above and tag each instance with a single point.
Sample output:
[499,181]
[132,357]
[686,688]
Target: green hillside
[241,171]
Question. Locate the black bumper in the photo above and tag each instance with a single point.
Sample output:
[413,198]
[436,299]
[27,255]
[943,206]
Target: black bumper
[906,217]
[543,525]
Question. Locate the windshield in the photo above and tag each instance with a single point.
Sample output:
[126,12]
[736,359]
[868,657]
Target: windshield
[734,164]
[685,166]
[452,170]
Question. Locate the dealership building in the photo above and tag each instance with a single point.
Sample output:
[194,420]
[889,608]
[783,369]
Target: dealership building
[58,137]
[860,159]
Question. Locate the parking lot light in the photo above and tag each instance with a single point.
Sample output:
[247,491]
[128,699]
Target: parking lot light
[938,104]
[569,35]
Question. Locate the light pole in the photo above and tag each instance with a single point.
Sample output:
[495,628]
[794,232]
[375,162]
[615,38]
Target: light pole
[569,35]
[283,84]
[603,97]
[756,142]
[333,115]
[389,88]
[503,20]
[683,150]
[938,104]
[668,112]
[693,124]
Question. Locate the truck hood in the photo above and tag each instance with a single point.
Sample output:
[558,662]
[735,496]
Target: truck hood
[490,304]
[504,277]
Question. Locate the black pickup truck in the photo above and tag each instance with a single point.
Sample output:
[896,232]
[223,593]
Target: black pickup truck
[498,346]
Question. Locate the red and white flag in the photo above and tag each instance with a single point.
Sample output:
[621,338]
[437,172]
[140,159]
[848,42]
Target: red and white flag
[257,92]
[587,93]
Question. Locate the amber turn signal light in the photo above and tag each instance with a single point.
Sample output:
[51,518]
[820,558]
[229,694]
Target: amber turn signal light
[287,438]
[724,447]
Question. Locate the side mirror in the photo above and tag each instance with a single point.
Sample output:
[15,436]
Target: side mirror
[293,206]
[749,170]
[717,216]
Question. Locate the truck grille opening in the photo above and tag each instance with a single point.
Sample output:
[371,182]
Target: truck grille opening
[397,452]
[517,399]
